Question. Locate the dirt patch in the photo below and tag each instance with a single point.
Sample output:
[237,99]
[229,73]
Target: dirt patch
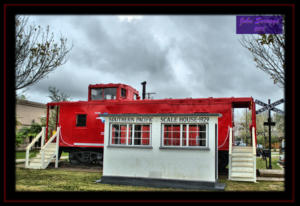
[65,165]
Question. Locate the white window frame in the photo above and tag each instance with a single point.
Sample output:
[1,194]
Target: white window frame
[187,135]
[132,137]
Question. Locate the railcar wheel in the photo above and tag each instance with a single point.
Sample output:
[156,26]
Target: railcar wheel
[73,159]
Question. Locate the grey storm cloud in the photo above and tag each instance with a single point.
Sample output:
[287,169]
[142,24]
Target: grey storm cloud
[179,56]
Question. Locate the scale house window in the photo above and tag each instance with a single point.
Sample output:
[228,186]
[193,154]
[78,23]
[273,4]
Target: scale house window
[130,134]
[184,135]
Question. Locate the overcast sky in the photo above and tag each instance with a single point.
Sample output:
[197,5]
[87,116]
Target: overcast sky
[180,56]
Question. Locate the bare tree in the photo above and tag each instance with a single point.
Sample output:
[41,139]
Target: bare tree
[56,95]
[36,53]
[268,51]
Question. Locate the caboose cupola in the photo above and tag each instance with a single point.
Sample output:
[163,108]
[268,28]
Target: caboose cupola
[112,92]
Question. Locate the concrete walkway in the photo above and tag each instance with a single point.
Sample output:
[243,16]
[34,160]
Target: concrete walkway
[270,179]
[23,160]
[270,175]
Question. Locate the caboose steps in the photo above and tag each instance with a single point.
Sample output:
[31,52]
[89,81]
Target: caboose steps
[242,161]
[48,152]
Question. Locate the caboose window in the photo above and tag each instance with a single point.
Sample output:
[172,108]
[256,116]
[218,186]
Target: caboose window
[110,93]
[81,120]
[123,93]
[103,93]
[185,135]
[130,134]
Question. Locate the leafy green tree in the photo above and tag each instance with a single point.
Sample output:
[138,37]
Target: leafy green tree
[36,53]
[27,132]
[279,127]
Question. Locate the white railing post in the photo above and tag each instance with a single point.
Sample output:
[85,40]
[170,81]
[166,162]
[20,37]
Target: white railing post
[43,158]
[254,153]
[27,158]
[43,136]
[57,146]
[230,152]
[253,141]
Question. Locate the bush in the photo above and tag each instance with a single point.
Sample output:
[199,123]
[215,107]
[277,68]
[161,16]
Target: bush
[27,132]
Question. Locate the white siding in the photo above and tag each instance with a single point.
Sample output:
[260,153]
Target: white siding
[181,164]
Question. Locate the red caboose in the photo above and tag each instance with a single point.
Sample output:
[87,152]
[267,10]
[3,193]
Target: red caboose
[82,130]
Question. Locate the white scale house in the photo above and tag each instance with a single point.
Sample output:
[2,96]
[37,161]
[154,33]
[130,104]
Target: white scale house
[161,150]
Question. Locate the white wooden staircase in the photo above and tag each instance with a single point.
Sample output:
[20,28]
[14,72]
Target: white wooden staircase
[48,152]
[242,161]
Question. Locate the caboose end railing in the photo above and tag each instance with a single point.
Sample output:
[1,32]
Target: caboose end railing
[44,149]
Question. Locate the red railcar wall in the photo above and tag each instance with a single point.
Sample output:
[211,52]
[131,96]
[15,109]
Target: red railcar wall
[93,132]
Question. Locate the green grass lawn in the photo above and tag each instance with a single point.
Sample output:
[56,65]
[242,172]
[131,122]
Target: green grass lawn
[261,164]
[22,154]
[67,180]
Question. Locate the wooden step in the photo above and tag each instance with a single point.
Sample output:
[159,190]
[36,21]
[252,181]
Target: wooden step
[35,166]
[46,155]
[242,151]
[242,169]
[243,164]
[242,154]
[242,179]
[242,174]
[242,159]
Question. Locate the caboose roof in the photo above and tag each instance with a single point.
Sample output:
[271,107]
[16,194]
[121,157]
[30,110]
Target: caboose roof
[240,102]
[109,85]
[160,114]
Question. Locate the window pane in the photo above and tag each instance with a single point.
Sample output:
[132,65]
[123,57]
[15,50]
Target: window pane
[184,135]
[145,134]
[171,135]
[193,135]
[115,135]
[202,127]
[130,135]
[123,133]
[81,120]
[176,135]
[202,139]
[137,134]
[97,94]
[123,93]
[110,93]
